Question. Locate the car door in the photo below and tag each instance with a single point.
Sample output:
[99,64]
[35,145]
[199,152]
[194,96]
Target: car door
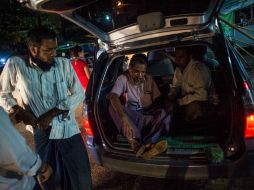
[91,91]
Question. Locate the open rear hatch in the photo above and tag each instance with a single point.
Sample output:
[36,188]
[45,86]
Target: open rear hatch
[123,24]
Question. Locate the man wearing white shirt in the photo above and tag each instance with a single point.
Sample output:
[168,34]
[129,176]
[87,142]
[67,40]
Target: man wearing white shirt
[18,164]
[191,84]
[50,92]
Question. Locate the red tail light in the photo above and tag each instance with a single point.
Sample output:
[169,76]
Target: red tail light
[87,127]
[246,86]
[249,128]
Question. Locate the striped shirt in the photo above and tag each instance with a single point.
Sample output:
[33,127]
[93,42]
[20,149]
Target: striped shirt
[44,90]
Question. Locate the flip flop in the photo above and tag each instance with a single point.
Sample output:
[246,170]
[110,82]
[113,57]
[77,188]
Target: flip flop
[137,147]
[140,150]
[158,148]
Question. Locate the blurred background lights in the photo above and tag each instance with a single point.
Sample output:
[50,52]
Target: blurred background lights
[107,17]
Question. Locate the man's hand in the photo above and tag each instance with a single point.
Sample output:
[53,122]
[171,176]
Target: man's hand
[44,172]
[18,114]
[128,130]
[45,119]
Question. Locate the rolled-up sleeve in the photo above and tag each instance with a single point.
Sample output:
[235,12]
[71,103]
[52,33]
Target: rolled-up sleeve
[15,154]
[7,84]
[120,85]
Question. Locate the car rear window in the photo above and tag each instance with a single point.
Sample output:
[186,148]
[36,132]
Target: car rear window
[109,15]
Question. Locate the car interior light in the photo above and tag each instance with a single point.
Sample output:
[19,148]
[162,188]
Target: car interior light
[249,128]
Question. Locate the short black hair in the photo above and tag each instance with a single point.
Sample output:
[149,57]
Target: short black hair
[75,50]
[37,35]
[138,59]
[187,49]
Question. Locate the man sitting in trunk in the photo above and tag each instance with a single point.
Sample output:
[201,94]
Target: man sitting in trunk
[191,84]
[139,121]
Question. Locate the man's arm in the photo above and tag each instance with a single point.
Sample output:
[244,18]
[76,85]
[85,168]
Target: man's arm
[116,104]
[116,92]
[75,91]
[8,83]
[15,155]
[45,119]
[125,122]
[18,114]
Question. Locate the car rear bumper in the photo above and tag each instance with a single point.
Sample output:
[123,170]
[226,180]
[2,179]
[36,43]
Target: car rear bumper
[240,168]
[175,169]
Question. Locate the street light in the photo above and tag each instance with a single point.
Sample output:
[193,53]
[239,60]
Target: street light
[119,3]
[107,17]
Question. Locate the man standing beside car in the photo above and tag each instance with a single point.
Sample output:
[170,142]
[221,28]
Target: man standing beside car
[191,84]
[140,122]
[50,92]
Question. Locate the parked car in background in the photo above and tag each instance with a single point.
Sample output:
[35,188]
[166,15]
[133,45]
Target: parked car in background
[130,27]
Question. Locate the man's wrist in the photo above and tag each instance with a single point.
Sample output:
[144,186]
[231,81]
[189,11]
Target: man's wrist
[55,111]
[42,169]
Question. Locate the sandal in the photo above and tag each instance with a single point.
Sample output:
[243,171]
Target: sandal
[156,149]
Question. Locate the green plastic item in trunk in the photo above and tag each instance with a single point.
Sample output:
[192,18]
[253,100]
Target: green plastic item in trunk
[214,152]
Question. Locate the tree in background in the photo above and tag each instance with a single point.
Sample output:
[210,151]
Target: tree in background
[16,20]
